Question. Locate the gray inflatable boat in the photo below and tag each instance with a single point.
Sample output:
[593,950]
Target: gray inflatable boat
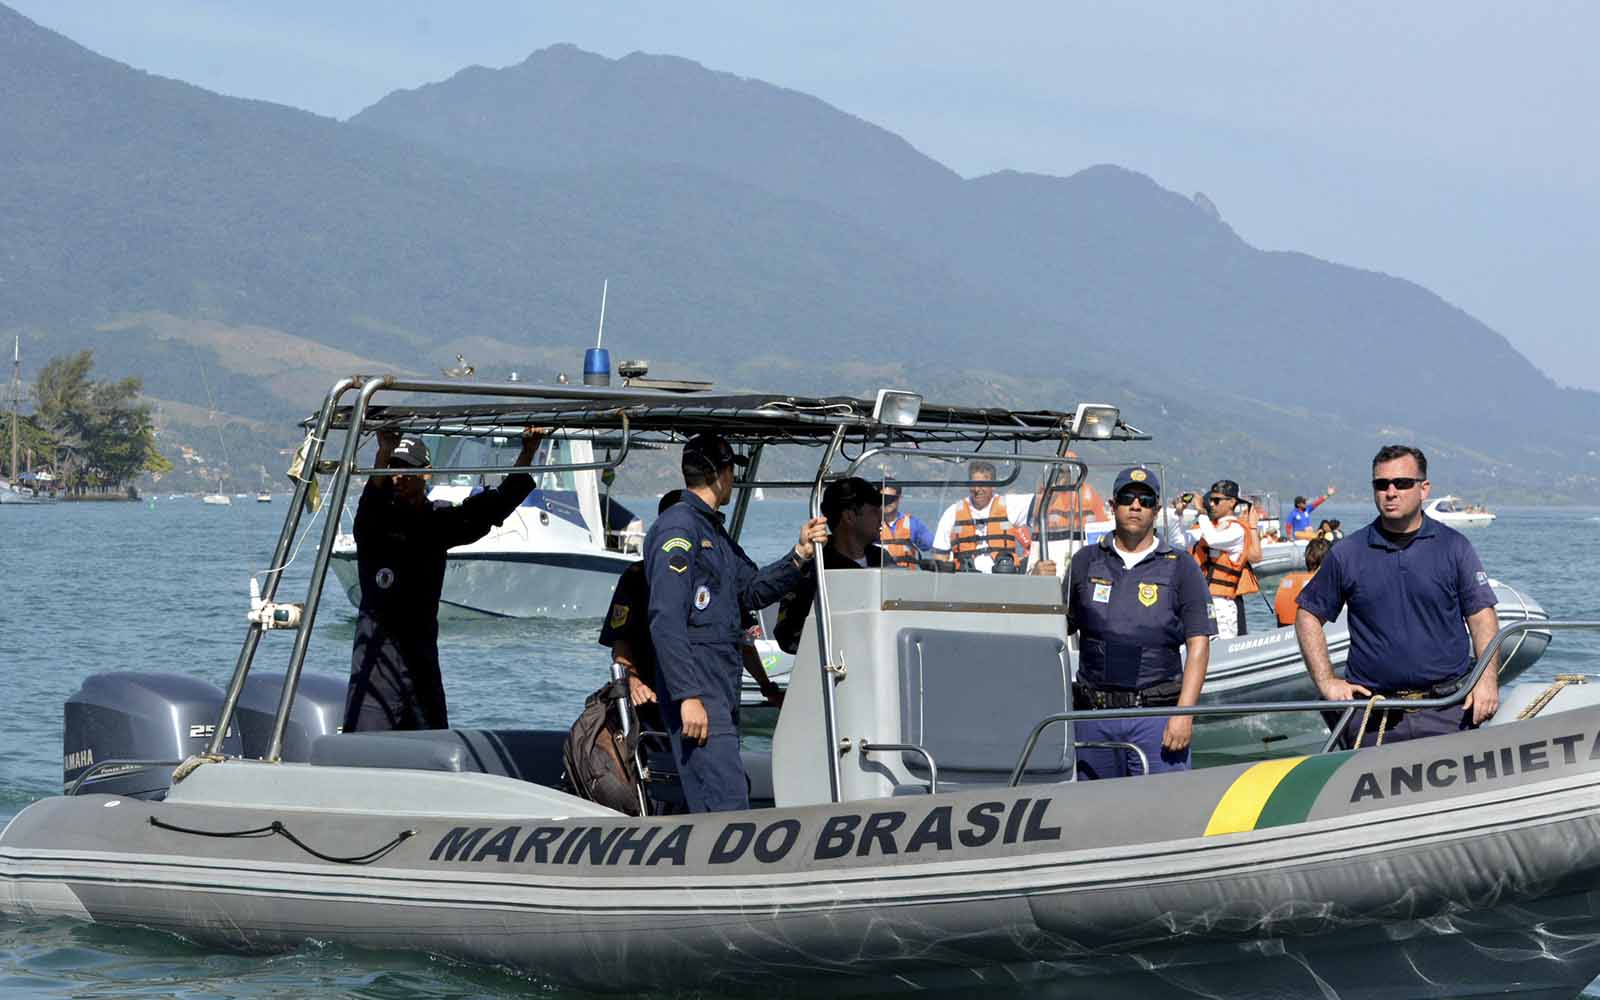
[917,825]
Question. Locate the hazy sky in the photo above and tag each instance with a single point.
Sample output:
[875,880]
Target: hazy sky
[1451,142]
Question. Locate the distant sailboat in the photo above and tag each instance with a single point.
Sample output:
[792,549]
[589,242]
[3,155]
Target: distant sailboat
[12,492]
[219,498]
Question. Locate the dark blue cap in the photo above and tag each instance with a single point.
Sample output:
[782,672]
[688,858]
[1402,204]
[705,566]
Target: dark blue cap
[1137,476]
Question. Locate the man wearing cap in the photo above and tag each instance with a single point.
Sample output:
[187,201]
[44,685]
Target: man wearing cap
[1409,583]
[401,540]
[700,581]
[854,510]
[1224,546]
[1135,602]
[1299,519]
[626,632]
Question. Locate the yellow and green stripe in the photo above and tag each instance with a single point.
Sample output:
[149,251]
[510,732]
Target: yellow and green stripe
[1273,793]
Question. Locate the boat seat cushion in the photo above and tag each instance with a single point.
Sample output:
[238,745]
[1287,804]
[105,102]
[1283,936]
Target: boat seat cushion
[528,754]
[970,699]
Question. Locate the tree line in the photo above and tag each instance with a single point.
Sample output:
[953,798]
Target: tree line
[95,435]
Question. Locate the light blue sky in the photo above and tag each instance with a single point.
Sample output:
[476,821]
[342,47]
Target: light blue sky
[1452,143]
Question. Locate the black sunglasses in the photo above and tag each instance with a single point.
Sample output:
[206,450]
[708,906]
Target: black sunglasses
[1399,483]
[1131,497]
[1219,499]
[890,498]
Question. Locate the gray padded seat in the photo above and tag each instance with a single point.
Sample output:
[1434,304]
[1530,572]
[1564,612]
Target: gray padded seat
[528,754]
[971,698]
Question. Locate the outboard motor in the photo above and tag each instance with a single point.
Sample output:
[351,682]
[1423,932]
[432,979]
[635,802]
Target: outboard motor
[317,711]
[138,717]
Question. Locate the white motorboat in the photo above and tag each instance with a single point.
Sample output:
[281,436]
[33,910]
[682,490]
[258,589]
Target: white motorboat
[917,825]
[263,497]
[557,556]
[1457,513]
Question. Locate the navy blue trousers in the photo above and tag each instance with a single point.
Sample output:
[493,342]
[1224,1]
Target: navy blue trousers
[1119,762]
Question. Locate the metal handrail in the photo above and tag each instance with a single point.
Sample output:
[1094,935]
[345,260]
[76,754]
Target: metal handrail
[129,763]
[1489,654]
[830,721]
[1144,758]
[340,488]
[933,768]
[599,465]
[291,524]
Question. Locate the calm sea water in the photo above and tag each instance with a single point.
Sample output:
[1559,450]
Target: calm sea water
[163,586]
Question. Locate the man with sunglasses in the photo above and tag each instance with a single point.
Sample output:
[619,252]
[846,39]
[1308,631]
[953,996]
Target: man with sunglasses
[1135,602]
[1409,583]
[1224,545]
[903,537]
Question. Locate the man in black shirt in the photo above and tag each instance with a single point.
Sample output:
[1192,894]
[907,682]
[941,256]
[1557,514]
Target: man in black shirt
[854,509]
[401,540]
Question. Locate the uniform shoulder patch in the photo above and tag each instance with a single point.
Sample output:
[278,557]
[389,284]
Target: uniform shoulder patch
[678,563]
[677,543]
[619,615]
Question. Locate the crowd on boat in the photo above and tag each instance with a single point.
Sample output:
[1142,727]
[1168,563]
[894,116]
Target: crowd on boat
[1145,599]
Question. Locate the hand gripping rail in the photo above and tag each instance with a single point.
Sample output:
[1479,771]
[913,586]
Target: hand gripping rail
[1489,655]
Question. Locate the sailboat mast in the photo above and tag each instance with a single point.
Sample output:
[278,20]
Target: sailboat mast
[16,397]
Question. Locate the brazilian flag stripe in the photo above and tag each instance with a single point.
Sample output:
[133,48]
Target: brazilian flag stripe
[1273,793]
[1292,800]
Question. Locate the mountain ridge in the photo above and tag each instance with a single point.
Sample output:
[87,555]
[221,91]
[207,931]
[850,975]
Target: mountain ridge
[131,197]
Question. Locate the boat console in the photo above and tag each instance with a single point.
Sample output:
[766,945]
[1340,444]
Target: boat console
[937,678]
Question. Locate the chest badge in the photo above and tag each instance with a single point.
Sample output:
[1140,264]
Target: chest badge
[1149,593]
[384,578]
[702,597]
[1102,593]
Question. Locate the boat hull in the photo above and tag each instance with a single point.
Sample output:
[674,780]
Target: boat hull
[1414,869]
[513,584]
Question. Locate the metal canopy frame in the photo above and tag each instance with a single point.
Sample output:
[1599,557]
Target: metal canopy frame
[639,418]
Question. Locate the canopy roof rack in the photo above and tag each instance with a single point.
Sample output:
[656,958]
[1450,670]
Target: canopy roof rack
[748,418]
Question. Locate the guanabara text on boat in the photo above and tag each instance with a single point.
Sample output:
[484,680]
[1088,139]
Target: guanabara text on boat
[917,823]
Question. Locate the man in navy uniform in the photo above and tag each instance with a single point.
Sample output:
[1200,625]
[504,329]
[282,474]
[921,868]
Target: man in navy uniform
[401,540]
[700,582]
[1409,583]
[626,632]
[1135,601]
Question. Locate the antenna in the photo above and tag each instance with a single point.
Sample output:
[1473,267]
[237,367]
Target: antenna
[599,336]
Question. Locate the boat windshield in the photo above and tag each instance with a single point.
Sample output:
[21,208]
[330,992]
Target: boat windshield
[501,450]
[991,516]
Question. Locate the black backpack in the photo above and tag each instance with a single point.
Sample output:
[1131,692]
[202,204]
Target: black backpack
[602,764]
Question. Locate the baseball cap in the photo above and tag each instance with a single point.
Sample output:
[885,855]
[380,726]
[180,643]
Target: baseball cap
[410,452]
[1225,488]
[1137,476]
[848,494]
[709,453]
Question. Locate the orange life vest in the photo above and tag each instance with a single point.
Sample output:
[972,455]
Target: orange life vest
[1071,509]
[896,542]
[999,537]
[1288,589]
[1225,575]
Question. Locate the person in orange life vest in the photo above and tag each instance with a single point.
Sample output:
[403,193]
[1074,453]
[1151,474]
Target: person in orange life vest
[1289,587]
[1297,523]
[904,538]
[985,533]
[1070,509]
[1225,545]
